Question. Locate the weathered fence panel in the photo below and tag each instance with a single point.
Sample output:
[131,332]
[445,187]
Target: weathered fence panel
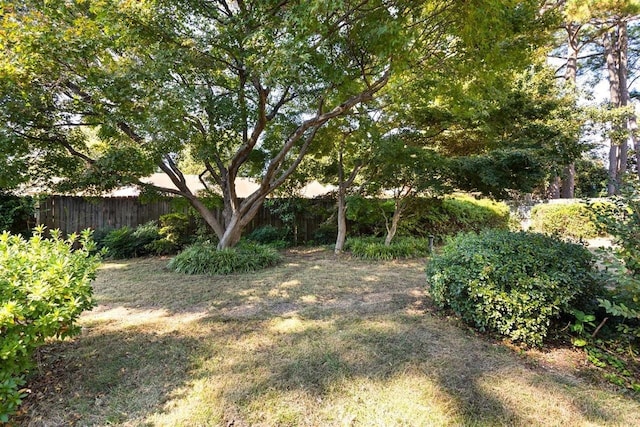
[74,214]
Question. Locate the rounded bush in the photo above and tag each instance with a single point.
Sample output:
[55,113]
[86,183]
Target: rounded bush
[572,221]
[512,283]
[205,258]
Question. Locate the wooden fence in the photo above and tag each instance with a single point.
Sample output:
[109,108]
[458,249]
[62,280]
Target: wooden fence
[73,214]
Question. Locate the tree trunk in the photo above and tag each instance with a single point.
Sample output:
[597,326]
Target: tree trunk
[342,206]
[568,181]
[232,233]
[395,220]
[553,192]
[342,221]
[612,54]
[633,131]
[612,186]
[208,216]
[569,173]
[623,46]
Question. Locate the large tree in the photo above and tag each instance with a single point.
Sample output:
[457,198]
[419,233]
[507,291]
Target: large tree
[601,28]
[236,82]
[104,92]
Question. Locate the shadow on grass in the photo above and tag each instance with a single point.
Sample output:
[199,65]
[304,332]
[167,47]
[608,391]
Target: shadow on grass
[465,379]
[326,371]
[107,378]
[309,343]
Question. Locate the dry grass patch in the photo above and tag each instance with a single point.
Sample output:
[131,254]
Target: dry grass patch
[318,340]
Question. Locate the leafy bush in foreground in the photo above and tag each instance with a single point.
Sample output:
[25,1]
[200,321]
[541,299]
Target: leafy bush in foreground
[566,220]
[44,286]
[374,248]
[617,347]
[512,283]
[205,258]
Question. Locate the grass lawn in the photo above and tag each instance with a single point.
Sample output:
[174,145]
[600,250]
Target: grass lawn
[316,341]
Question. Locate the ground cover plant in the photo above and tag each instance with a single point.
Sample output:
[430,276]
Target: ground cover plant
[44,286]
[374,248]
[206,258]
[515,284]
[318,340]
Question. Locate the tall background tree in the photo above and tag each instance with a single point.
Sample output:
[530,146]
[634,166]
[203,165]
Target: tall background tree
[597,39]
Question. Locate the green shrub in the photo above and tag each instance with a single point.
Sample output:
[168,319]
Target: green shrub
[366,216]
[176,228]
[16,213]
[175,232]
[621,219]
[572,221]
[512,283]
[470,214]
[374,248]
[99,236]
[591,178]
[205,258]
[270,235]
[44,286]
[326,234]
[126,242]
[161,247]
[428,216]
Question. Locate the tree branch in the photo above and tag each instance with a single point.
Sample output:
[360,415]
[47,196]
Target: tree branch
[60,141]
[243,152]
[282,101]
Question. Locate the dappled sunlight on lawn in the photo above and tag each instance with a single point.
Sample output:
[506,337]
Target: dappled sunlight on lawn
[109,319]
[534,398]
[111,265]
[290,284]
[283,326]
[299,346]
[296,371]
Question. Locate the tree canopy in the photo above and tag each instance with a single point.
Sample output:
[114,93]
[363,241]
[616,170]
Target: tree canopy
[104,92]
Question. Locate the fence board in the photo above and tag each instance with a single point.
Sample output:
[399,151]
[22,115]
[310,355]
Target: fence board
[74,214]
